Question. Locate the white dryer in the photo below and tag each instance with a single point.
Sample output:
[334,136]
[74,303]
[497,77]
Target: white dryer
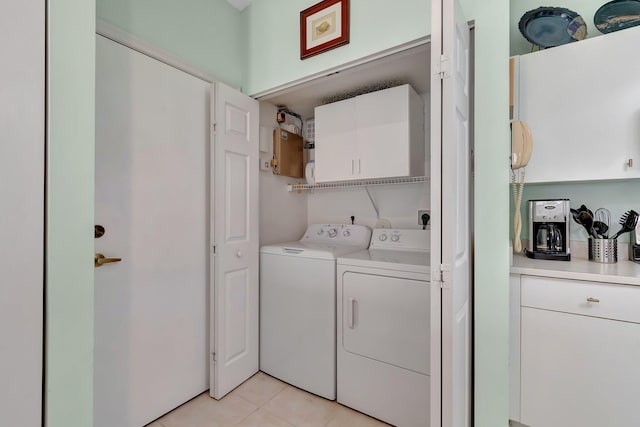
[383,328]
[298,305]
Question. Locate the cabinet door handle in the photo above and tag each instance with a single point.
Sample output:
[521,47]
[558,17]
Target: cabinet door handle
[351,312]
[590,299]
[630,163]
[359,167]
[352,168]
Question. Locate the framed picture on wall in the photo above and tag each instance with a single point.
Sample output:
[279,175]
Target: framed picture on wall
[324,26]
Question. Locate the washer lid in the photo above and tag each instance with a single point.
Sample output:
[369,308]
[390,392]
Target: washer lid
[309,250]
[398,260]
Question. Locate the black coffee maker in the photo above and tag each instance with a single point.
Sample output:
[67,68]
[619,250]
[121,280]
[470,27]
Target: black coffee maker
[549,229]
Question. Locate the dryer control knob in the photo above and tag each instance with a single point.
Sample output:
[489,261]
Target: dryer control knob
[320,232]
[382,237]
[333,232]
[395,238]
[346,233]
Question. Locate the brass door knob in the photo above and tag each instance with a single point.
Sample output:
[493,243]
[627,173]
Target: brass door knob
[100,259]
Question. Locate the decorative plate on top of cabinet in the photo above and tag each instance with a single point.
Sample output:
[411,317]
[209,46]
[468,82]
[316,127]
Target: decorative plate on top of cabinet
[617,15]
[552,26]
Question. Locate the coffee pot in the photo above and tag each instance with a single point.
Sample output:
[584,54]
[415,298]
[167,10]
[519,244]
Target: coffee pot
[549,229]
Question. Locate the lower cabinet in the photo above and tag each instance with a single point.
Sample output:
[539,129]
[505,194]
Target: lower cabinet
[579,353]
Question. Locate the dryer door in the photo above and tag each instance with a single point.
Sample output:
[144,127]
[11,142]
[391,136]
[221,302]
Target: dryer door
[386,319]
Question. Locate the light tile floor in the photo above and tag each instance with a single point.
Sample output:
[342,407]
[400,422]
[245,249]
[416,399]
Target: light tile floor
[263,401]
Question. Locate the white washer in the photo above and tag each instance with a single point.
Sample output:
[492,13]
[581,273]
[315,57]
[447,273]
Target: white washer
[298,305]
[383,328]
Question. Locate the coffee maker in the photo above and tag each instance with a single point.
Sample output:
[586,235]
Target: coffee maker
[549,229]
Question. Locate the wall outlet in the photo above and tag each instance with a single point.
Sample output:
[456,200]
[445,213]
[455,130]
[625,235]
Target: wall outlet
[265,164]
[422,212]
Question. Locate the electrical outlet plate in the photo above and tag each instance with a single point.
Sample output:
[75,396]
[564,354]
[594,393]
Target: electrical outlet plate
[265,164]
[422,212]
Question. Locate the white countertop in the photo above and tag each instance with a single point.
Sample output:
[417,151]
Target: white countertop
[624,272]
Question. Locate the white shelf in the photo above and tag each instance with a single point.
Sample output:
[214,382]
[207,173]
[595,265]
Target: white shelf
[359,183]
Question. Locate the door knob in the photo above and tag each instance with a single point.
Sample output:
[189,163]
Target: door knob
[239,254]
[99,260]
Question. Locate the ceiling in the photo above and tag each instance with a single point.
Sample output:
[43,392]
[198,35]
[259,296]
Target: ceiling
[410,66]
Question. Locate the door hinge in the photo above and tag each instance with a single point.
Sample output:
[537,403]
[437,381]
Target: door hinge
[215,127]
[213,249]
[443,68]
[444,284]
[213,357]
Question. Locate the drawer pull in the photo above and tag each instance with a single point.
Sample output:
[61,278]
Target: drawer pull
[593,299]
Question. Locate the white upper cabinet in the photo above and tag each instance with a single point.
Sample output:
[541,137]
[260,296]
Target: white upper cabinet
[376,135]
[335,131]
[580,101]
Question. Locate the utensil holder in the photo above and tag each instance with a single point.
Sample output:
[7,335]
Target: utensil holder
[603,250]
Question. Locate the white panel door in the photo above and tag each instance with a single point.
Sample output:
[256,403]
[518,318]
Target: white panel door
[234,293]
[22,163]
[152,152]
[451,202]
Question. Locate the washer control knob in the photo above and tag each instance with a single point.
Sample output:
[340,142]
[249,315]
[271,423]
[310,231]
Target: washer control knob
[395,238]
[320,232]
[346,233]
[333,232]
[382,237]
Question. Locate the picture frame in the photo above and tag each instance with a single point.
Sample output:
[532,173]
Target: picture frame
[324,26]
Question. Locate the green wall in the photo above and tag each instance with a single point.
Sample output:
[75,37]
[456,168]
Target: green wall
[274,37]
[617,196]
[69,222]
[491,235]
[207,34]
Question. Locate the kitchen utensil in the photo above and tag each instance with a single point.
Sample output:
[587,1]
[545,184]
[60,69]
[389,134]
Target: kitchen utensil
[587,222]
[601,229]
[552,26]
[576,215]
[603,216]
[629,220]
[583,208]
[617,15]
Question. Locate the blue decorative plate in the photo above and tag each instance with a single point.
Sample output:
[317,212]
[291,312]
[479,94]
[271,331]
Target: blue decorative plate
[617,15]
[552,26]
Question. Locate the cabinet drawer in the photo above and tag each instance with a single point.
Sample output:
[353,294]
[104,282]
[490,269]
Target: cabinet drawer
[609,301]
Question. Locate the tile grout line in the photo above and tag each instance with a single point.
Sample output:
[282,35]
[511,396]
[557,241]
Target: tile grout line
[258,407]
[249,414]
